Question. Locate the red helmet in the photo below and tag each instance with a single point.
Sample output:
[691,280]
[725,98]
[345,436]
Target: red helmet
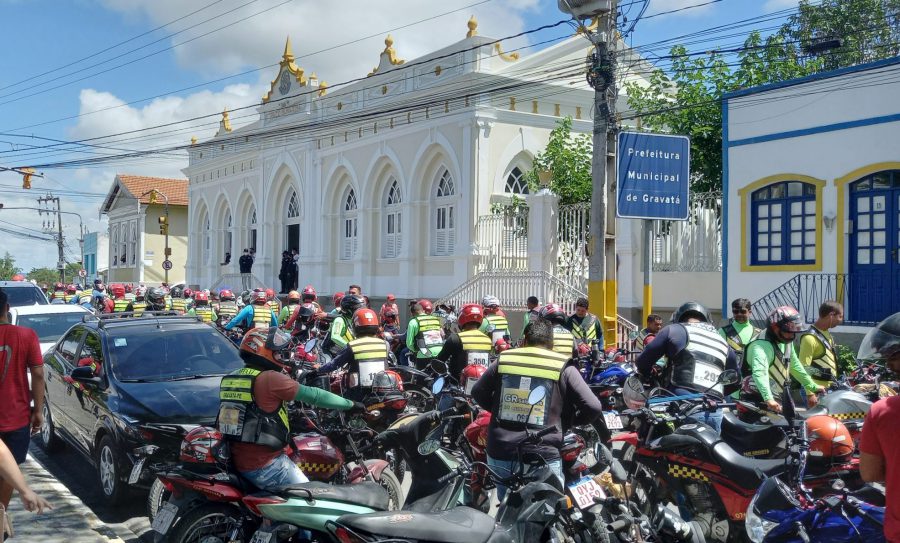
[204,445]
[391,298]
[71,289]
[117,290]
[389,316]
[470,375]
[293,296]
[259,298]
[829,439]
[786,319]
[267,349]
[365,321]
[309,293]
[128,287]
[201,297]
[226,295]
[426,305]
[270,294]
[470,313]
[501,345]
[59,286]
[338,296]
[188,293]
[553,313]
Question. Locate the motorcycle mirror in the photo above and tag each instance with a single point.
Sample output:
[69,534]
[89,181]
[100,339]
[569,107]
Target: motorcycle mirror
[310,345]
[728,377]
[439,367]
[634,384]
[537,395]
[438,385]
[429,446]
[389,337]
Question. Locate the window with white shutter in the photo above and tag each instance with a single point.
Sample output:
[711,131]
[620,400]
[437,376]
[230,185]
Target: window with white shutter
[350,225]
[252,240]
[132,244]
[444,234]
[393,222]
[114,231]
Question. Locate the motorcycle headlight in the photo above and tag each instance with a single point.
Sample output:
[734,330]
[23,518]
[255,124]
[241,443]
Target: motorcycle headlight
[757,527]
[772,504]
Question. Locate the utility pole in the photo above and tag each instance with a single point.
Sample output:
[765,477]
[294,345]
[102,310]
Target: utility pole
[52,208]
[601,77]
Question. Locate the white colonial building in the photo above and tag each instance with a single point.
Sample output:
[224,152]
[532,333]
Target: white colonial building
[385,181]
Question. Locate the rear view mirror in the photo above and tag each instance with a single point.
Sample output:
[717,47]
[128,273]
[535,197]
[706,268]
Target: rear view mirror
[438,385]
[634,385]
[728,377]
[429,446]
[310,345]
[537,395]
[84,374]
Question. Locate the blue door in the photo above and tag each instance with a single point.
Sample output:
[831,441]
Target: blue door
[874,283]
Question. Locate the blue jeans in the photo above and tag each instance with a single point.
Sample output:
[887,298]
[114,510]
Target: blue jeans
[508,467]
[712,418]
[278,473]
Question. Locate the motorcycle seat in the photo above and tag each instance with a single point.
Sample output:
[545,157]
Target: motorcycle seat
[744,436]
[747,472]
[457,525]
[366,494]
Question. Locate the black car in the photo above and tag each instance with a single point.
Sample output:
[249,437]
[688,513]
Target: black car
[118,384]
[21,293]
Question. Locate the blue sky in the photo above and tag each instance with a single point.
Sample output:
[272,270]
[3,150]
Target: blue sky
[43,42]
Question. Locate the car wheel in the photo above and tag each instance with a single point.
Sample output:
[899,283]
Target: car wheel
[50,442]
[112,487]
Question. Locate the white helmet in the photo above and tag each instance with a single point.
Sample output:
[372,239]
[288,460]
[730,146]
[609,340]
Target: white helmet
[490,301]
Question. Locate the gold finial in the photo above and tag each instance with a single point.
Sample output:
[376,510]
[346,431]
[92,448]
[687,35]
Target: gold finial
[473,27]
[225,123]
[288,55]
[323,88]
[508,57]
[388,43]
[193,140]
[390,52]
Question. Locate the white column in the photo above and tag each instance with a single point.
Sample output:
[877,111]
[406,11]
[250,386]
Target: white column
[543,210]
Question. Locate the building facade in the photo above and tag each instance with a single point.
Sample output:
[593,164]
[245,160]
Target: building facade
[95,256]
[137,242]
[812,188]
[381,181]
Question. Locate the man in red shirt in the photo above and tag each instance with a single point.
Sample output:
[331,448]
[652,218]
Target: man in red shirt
[879,446]
[20,352]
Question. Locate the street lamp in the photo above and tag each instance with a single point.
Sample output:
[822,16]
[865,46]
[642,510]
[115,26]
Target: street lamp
[601,77]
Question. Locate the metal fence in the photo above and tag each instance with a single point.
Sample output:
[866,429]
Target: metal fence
[502,241]
[572,230]
[807,291]
[694,245]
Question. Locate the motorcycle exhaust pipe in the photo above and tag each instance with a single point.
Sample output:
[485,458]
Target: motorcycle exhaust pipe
[670,523]
[619,526]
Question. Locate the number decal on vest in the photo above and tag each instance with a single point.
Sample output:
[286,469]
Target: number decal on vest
[432,338]
[497,335]
[368,370]
[477,359]
[514,406]
[706,375]
[230,420]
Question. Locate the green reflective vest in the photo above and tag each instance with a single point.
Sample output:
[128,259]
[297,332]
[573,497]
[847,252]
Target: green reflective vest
[522,371]
[240,417]
[477,347]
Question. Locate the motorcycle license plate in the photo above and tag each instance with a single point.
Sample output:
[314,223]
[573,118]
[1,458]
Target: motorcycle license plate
[613,420]
[261,537]
[584,490]
[163,520]
[136,471]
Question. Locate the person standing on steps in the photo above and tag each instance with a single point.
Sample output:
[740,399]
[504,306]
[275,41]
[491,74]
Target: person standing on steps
[245,263]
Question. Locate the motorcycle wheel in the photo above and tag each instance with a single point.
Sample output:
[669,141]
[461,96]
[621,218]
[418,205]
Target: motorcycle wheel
[394,489]
[210,523]
[397,463]
[157,496]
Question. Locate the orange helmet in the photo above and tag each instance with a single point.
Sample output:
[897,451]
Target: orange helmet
[426,305]
[18,277]
[829,439]
[267,349]
[293,296]
[270,294]
[365,322]
[201,297]
[470,313]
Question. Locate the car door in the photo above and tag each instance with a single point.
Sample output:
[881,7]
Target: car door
[92,404]
[60,392]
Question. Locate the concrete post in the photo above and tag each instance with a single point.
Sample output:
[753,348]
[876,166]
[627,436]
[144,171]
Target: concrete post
[543,210]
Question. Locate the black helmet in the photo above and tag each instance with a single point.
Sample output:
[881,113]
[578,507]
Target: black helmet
[156,296]
[350,303]
[883,341]
[246,298]
[177,291]
[691,309]
[553,313]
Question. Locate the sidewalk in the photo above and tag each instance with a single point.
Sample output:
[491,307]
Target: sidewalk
[70,521]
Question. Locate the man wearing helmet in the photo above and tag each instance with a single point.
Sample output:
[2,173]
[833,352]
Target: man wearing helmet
[504,389]
[563,339]
[202,309]
[367,355]
[585,326]
[289,309]
[71,293]
[341,331]
[424,334]
[253,414]
[58,294]
[139,305]
[879,446]
[739,332]
[468,346]
[336,300]
[256,315]
[390,306]
[309,296]
[695,356]
[494,323]
[772,359]
[274,303]
[301,321]
[179,303]
[227,306]
[120,304]
[818,351]
[156,299]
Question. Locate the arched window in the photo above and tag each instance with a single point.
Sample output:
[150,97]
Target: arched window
[393,224]
[515,182]
[783,219]
[444,221]
[207,239]
[114,245]
[350,225]
[132,244]
[123,244]
[293,206]
[228,234]
[252,223]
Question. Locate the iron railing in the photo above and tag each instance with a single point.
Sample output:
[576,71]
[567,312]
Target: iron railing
[807,291]
[502,241]
[694,245]
[235,282]
[572,230]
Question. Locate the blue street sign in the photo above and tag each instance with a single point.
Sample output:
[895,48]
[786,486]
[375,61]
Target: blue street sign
[654,176]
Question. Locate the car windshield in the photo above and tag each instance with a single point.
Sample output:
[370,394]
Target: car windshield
[49,327]
[30,295]
[170,352]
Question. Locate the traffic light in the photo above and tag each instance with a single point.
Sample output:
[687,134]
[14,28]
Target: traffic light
[163,225]
[26,177]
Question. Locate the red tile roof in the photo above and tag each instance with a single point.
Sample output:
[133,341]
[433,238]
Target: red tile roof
[136,185]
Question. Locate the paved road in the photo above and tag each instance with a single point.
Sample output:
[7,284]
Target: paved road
[128,521]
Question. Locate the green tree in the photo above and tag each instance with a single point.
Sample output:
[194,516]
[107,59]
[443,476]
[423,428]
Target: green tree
[568,157]
[686,98]
[8,267]
[47,276]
